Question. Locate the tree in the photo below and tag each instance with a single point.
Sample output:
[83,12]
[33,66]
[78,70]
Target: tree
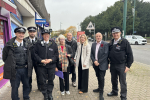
[113,16]
[71,29]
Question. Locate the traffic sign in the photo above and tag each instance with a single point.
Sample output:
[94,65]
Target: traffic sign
[47,24]
[40,21]
[90,26]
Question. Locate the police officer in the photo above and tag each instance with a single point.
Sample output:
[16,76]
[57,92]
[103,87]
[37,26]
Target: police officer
[18,63]
[46,54]
[121,58]
[32,39]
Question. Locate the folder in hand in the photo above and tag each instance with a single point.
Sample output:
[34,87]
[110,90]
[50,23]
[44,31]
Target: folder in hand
[59,74]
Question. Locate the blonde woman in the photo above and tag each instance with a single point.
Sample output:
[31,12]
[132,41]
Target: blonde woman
[65,52]
[82,59]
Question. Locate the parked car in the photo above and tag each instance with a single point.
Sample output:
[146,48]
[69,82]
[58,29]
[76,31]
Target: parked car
[90,39]
[136,39]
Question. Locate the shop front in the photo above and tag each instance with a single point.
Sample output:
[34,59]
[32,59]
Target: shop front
[5,35]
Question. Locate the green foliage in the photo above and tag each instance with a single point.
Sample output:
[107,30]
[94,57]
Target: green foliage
[113,16]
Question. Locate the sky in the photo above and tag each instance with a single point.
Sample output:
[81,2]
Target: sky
[73,12]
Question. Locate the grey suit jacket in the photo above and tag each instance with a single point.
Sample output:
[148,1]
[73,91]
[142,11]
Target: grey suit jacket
[102,55]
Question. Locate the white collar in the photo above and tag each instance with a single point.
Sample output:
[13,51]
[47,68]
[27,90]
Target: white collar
[117,40]
[18,43]
[46,41]
[31,39]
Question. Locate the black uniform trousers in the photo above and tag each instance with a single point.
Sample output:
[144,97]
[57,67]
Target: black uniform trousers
[83,76]
[100,74]
[118,70]
[64,83]
[21,75]
[37,78]
[45,74]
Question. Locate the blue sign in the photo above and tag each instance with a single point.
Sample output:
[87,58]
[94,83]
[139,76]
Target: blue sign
[40,21]
[47,24]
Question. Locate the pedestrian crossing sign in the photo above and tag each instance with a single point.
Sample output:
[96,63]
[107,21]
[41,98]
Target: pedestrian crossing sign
[90,26]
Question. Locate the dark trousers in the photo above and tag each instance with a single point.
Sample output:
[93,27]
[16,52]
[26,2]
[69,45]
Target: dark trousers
[46,75]
[100,74]
[97,73]
[21,75]
[37,78]
[64,83]
[73,73]
[83,76]
[118,70]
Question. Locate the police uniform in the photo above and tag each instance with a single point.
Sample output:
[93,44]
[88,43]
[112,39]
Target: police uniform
[120,57]
[18,65]
[32,42]
[46,50]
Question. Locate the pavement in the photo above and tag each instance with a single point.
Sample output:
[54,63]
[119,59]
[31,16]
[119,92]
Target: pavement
[138,84]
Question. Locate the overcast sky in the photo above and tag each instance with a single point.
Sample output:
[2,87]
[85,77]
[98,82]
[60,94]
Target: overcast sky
[72,12]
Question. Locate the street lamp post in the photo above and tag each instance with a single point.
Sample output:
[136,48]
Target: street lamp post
[134,15]
[124,16]
[60,25]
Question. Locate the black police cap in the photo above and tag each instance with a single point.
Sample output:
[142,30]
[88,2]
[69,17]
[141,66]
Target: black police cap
[115,29]
[45,31]
[31,29]
[20,29]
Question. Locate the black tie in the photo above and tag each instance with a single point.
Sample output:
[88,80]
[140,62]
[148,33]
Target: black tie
[32,41]
[20,44]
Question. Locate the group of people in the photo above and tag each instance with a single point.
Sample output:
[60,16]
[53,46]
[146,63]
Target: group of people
[46,56]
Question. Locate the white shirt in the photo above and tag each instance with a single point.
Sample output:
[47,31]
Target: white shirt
[18,43]
[32,39]
[97,48]
[46,42]
[116,41]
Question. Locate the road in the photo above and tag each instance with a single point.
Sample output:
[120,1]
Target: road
[141,53]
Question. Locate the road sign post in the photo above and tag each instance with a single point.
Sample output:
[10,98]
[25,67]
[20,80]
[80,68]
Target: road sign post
[91,27]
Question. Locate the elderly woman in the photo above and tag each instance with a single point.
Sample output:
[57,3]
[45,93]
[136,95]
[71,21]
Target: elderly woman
[65,53]
[82,59]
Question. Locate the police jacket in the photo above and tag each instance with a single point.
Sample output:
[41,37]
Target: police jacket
[32,47]
[120,53]
[73,45]
[9,59]
[41,52]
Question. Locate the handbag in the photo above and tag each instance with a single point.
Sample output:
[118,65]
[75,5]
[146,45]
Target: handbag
[71,61]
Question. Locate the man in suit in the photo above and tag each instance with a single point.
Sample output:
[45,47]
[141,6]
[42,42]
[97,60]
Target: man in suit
[99,56]
[32,39]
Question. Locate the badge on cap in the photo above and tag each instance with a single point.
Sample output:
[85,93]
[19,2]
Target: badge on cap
[115,30]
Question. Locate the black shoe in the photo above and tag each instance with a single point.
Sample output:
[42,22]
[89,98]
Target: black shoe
[26,99]
[101,96]
[96,90]
[112,94]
